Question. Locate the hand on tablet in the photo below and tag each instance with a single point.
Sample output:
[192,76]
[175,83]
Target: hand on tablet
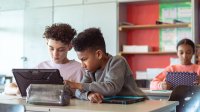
[73,85]
[165,85]
[197,81]
[11,89]
[95,97]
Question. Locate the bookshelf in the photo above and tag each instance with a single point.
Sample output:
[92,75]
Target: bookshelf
[130,27]
[143,30]
[146,53]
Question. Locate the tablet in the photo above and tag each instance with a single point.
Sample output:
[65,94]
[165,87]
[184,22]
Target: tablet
[181,78]
[123,99]
[25,77]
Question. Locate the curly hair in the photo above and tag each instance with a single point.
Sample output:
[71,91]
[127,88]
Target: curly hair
[90,38]
[60,32]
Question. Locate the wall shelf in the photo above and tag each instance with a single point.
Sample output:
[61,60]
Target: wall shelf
[137,26]
[178,25]
[147,53]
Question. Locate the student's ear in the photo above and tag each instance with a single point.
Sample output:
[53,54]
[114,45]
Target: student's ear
[99,54]
[70,46]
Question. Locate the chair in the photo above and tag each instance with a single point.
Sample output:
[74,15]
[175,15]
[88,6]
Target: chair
[11,108]
[188,97]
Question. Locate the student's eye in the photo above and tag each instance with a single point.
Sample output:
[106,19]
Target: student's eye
[51,49]
[61,50]
[83,59]
[180,52]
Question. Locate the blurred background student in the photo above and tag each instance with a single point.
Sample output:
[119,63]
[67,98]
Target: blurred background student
[185,51]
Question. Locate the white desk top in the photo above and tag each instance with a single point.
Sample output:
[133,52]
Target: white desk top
[85,106]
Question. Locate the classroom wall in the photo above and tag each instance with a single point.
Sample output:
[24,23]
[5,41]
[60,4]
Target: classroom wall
[37,14]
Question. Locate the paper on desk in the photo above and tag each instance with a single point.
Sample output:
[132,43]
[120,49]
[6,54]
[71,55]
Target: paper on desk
[160,91]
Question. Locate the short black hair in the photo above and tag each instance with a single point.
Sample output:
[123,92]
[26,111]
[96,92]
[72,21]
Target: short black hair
[187,42]
[91,39]
[60,32]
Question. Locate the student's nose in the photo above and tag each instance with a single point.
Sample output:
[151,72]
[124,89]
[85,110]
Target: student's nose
[83,65]
[184,55]
[55,53]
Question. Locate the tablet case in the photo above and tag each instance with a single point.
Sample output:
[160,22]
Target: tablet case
[48,94]
[181,78]
[123,99]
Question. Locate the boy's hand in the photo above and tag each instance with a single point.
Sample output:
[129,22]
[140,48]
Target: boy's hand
[165,85]
[73,85]
[95,97]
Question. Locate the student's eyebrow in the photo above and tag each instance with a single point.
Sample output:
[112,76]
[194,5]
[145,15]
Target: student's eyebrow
[50,46]
[58,48]
[81,58]
[189,51]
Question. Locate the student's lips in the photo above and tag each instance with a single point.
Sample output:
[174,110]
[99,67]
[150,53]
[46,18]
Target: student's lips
[86,70]
[56,58]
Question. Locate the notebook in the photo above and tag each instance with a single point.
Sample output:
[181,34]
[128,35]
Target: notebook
[123,99]
[181,78]
[25,77]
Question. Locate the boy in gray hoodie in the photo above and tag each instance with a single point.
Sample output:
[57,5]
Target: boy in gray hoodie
[106,75]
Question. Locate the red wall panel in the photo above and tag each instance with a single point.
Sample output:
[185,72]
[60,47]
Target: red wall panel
[145,14]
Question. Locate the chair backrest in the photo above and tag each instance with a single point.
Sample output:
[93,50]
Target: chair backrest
[188,97]
[11,108]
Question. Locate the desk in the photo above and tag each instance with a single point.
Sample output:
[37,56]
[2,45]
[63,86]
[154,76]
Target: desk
[85,106]
[157,94]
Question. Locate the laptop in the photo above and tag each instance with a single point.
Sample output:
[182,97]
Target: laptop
[123,99]
[181,78]
[25,77]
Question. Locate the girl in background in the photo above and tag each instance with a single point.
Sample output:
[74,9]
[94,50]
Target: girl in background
[185,51]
